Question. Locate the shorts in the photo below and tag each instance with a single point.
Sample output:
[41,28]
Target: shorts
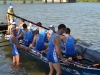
[52,57]
[15,52]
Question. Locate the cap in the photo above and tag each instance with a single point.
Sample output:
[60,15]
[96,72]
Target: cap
[13,28]
[50,31]
[10,7]
[36,29]
[52,26]
[14,23]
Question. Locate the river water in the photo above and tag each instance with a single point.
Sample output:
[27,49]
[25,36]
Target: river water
[82,18]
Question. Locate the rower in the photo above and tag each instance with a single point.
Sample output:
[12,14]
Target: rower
[27,36]
[69,44]
[14,24]
[42,31]
[21,23]
[52,27]
[19,31]
[49,34]
[54,51]
[10,18]
[30,27]
[38,41]
[15,47]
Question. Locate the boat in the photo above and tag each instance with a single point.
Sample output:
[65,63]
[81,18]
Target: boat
[78,67]
[73,68]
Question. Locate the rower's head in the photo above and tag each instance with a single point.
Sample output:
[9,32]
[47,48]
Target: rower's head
[11,9]
[67,30]
[39,25]
[14,24]
[36,30]
[24,26]
[49,33]
[52,27]
[13,30]
[61,29]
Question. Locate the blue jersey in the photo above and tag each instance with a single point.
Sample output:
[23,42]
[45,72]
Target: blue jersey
[43,33]
[51,54]
[20,31]
[15,50]
[28,37]
[69,46]
[39,43]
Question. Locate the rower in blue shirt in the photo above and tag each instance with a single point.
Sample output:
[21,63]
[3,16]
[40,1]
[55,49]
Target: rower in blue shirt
[54,51]
[42,31]
[69,43]
[19,31]
[15,47]
[27,36]
[38,41]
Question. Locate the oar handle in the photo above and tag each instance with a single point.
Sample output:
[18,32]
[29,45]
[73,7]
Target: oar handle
[27,20]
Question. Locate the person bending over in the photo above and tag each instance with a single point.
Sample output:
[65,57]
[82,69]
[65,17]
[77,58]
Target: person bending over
[38,41]
[16,47]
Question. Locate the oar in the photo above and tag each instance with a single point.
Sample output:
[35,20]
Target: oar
[5,45]
[83,51]
[4,41]
[27,20]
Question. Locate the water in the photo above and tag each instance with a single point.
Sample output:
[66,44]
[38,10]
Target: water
[82,18]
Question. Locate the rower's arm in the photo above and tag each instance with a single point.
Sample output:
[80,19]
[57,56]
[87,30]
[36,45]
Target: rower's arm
[7,16]
[57,46]
[63,38]
[14,41]
[34,40]
[21,35]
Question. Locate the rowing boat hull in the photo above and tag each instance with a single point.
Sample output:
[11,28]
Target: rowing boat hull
[92,55]
[66,69]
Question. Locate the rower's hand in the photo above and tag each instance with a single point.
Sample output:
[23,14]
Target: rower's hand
[27,48]
[65,61]
[42,51]
[30,46]
[70,58]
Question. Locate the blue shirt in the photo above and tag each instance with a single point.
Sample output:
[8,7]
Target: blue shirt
[28,37]
[39,43]
[69,46]
[43,33]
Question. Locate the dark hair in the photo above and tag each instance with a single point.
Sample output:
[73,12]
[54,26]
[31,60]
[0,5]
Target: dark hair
[39,24]
[67,31]
[24,26]
[61,26]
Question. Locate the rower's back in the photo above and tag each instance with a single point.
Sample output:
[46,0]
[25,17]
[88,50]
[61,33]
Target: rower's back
[39,43]
[69,43]
[27,36]
[69,46]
